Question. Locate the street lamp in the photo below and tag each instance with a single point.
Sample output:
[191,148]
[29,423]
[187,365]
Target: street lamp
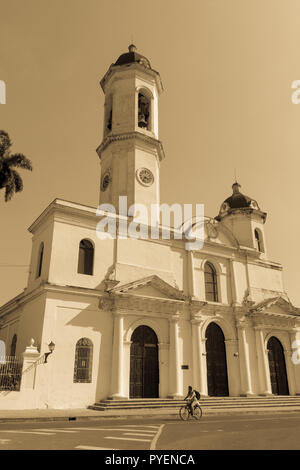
[51,347]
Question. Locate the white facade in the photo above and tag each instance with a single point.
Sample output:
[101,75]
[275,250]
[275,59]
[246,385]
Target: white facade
[152,283]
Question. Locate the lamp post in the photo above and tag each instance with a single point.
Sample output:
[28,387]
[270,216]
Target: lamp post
[51,347]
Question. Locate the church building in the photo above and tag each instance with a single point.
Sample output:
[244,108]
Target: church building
[144,317]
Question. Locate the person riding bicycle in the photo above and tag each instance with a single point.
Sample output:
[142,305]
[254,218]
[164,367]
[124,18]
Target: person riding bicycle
[193,401]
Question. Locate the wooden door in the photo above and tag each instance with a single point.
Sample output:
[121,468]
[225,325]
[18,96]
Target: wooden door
[144,374]
[277,366]
[217,381]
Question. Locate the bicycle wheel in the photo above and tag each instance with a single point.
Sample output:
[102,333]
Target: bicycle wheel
[197,412]
[184,413]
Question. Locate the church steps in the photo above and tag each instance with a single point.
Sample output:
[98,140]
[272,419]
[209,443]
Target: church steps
[209,403]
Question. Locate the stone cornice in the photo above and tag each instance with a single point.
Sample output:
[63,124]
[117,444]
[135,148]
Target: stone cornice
[245,211]
[64,209]
[129,136]
[114,69]
[137,305]
[20,300]
[42,289]
[124,302]
[282,323]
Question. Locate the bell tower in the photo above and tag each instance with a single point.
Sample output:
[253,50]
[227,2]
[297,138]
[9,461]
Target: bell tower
[130,152]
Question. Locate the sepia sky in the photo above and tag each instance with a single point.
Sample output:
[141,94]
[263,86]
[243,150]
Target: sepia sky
[227,67]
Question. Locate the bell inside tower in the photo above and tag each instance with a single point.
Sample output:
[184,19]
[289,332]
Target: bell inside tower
[143,111]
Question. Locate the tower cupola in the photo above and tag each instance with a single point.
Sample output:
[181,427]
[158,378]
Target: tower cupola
[238,201]
[243,216]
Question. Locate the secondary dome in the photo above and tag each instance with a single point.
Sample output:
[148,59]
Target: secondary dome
[237,201]
[131,57]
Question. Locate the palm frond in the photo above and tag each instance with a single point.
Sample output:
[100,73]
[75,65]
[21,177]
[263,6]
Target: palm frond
[18,181]
[5,142]
[5,174]
[19,160]
[10,189]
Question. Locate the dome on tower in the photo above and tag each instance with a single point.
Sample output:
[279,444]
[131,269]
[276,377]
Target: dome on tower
[138,63]
[132,56]
[237,200]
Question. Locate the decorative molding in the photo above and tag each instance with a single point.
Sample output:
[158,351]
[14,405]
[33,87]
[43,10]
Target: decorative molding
[136,67]
[130,136]
[106,304]
[174,318]
[153,281]
[164,345]
[246,302]
[270,302]
[196,306]
[197,319]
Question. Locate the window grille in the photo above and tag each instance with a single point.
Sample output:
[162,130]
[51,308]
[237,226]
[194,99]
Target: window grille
[83,361]
[211,285]
[10,373]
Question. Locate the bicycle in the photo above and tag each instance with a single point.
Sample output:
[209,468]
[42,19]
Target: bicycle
[185,412]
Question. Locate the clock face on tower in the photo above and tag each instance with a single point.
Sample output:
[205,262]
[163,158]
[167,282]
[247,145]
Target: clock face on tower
[145,176]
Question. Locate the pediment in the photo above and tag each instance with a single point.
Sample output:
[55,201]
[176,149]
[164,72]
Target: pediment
[151,286]
[275,306]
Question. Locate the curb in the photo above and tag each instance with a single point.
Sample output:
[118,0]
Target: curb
[206,413]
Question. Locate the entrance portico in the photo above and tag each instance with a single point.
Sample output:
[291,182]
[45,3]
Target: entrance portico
[159,312]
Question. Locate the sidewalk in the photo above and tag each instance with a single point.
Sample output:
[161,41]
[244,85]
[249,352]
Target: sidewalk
[85,414]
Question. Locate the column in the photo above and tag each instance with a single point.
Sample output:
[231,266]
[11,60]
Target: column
[290,370]
[126,368]
[295,336]
[174,359]
[246,382]
[233,283]
[191,272]
[233,368]
[199,357]
[117,359]
[263,363]
[163,357]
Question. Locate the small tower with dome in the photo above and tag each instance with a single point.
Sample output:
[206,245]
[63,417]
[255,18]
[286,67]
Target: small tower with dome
[243,216]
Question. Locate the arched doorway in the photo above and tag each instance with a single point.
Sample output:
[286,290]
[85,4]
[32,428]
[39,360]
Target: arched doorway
[277,366]
[144,375]
[217,381]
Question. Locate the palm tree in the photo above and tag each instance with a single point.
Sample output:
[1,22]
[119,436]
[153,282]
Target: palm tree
[10,178]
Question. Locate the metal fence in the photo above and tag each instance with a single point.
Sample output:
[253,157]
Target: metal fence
[10,373]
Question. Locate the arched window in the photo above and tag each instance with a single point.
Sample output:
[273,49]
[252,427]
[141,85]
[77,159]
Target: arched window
[258,240]
[13,345]
[108,114]
[86,257]
[40,260]
[83,360]
[109,120]
[143,111]
[211,284]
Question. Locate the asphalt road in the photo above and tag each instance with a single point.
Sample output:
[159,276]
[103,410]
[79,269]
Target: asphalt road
[255,432]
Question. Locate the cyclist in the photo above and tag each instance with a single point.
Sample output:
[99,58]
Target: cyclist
[191,396]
